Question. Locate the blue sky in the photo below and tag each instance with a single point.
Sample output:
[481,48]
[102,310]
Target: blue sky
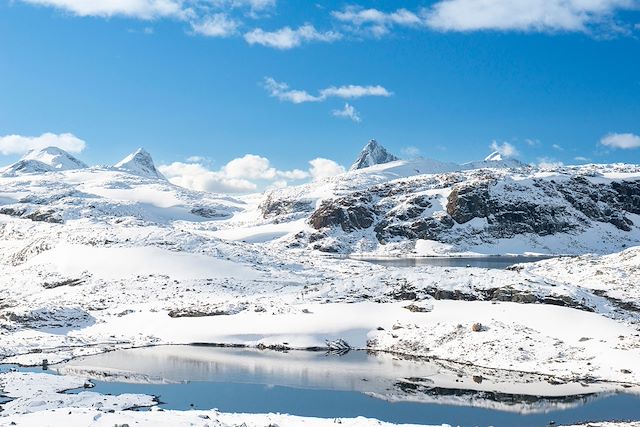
[547,80]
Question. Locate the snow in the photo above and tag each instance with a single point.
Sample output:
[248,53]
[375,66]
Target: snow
[50,159]
[56,158]
[117,263]
[158,418]
[139,163]
[38,393]
[101,259]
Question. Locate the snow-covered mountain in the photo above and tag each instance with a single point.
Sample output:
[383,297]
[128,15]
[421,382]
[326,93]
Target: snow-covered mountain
[139,163]
[101,258]
[49,159]
[494,160]
[372,154]
[387,210]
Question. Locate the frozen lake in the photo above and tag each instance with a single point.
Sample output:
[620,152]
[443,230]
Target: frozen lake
[494,262]
[355,384]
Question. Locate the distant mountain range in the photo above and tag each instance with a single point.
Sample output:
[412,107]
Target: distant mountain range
[53,159]
[383,205]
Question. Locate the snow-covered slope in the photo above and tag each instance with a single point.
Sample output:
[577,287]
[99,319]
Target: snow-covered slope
[99,259]
[372,154]
[397,209]
[494,160]
[50,159]
[139,163]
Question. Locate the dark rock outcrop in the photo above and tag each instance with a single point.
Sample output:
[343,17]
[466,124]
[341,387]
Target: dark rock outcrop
[350,213]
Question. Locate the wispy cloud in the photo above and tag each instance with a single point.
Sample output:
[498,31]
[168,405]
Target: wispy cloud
[625,141]
[283,92]
[348,112]
[288,38]
[524,15]
[377,22]
[542,16]
[141,9]
[547,163]
[411,152]
[19,144]
[505,149]
[216,25]
[211,18]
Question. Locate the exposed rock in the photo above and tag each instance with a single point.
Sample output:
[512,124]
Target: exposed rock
[350,213]
[40,215]
[273,206]
[207,212]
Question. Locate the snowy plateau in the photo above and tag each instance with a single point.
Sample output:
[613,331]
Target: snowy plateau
[100,259]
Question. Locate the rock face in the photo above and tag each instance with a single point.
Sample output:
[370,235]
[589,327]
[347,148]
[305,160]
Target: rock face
[372,154]
[480,205]
[350,213]
[273,206]
[50,159]
[139,163]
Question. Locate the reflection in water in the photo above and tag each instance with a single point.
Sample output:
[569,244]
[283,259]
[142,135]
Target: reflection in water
[316,384]
[492,262]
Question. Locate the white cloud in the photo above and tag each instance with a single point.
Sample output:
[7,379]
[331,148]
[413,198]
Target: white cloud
[197,177]
[293,175]
[546,163]
[206,17]
[532,142]
[523,15]
[254,5]
[288,38]
[377,22]
[250,166]
[19,144]
[216,25]
[284,93]
[324,168]
[411,152]
[197,159]
[142,9]
[581,159]
[624,141]
[354,91]
[241,175]
[348,112]
[505,149]
[557,147]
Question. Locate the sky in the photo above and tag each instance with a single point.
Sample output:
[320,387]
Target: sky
[234,95]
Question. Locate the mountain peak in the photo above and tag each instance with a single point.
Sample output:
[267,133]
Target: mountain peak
[372,154]
[55,157]
[494,157]
[48,159]
[140,163]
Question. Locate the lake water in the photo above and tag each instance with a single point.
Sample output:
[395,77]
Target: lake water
[493,262]
[355,384]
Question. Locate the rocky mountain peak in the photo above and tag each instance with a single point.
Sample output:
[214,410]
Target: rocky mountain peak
[139,163]
[372,154]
